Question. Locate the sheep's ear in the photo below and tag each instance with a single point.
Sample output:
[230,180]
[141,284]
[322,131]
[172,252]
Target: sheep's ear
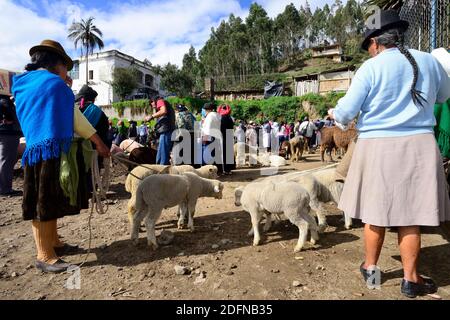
[216,189]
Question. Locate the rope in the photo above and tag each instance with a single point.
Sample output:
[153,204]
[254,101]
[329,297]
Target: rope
[96,200]
[120,160]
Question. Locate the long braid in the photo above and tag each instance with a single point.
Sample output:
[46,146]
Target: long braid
[416,95]
[395,37]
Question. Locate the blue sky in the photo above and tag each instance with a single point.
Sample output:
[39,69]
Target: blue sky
[159,30]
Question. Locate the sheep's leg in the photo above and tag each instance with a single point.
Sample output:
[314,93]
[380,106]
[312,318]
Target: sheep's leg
[312,226]
[348,221]
[256,217]
[131,209]
[302,234]
[191,207]
[182,210]
[150,222]
[320,213]
[137,219]
[268,223]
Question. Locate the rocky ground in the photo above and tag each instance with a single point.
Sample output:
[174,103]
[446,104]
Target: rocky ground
[217,261]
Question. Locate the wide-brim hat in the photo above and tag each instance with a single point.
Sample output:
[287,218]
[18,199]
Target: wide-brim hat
[443,56]
[389,19]
[86,92]
[56,47]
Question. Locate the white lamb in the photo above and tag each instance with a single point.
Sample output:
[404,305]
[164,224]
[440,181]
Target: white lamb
[141,172]
[322,188]
[268,160]
[129,145]
[158,192]
[287,198]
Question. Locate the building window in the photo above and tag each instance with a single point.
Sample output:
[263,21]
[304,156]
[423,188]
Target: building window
[139,76]
[91,74]
[149,80]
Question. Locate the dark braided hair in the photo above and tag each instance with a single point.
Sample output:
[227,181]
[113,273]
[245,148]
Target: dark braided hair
[395,37]
[44,59]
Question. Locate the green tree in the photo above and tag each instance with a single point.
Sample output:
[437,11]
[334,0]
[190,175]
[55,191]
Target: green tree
[124,81]
[88,36]
[176,81]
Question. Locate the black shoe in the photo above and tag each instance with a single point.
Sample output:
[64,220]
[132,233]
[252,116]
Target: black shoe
[66,249]
[57,267]
[412,289]
[366,273]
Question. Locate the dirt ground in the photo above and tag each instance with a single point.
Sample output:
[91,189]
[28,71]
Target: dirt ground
[219,255]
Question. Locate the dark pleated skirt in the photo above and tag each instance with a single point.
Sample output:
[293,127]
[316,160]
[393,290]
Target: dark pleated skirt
[43,198]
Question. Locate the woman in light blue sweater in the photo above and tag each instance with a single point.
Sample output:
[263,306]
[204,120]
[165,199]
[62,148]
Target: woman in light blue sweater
[396,178]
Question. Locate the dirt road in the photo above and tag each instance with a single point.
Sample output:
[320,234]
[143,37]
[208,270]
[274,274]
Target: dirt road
[221,261]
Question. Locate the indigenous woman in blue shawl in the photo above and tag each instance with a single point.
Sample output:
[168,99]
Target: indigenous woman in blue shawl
[45,110]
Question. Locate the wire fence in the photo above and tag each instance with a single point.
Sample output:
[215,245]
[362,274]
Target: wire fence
[429,24]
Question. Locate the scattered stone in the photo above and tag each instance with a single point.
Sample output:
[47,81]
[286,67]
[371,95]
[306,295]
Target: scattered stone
[28,267]
[197,271]
[244,291]
[181,254]
[345,250]
[333,251]
[435,296]
[180,270]
[319,267]
[119,269]
[233,266]
[215,246]
[201,278]
[224,242]
[296,283]
[216,229]
[229,273]
[165,238]
[151,273]
[275,271]
[14,275]
[299,258]
[358,294]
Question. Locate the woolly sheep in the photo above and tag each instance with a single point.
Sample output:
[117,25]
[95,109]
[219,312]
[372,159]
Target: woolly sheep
[129,145]
[268,160]
[288,198]
[297,145]
[158,192]
[321,187]
[140,173]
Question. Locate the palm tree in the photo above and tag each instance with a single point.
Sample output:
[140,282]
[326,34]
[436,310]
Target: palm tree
[387,4]
[88,35]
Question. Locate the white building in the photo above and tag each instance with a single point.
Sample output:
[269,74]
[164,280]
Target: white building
[101,66]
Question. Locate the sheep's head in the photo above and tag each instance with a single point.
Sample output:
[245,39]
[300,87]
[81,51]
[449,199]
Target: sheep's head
[218,188]
[209,172]
[237,196]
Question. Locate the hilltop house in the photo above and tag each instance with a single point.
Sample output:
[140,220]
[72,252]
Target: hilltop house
[101,66]
[333,52]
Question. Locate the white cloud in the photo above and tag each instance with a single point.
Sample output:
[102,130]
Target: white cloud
[161,31]
[21,29]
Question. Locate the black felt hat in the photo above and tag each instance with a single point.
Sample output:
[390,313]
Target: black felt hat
[389,19]
[87,93]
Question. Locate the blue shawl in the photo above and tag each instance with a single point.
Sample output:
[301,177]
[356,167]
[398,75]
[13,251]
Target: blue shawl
[44,106]
[93,114]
